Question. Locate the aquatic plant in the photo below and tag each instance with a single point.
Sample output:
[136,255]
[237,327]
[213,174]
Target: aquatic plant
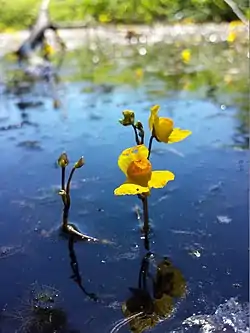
[39,311]
[135,162]
[68,228]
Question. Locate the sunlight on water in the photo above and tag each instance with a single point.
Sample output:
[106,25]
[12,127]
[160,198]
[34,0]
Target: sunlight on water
[228,317]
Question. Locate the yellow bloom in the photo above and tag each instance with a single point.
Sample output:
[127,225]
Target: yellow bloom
[163,128]
[104,18]
[237,23]
[48,49]
[231,36]
[139,73]
[138,170]
[186,56]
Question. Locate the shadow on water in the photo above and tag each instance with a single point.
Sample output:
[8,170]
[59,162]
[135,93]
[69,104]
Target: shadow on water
[199,222]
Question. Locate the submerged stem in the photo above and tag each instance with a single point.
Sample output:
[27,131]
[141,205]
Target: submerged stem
[150,145]
[136,135]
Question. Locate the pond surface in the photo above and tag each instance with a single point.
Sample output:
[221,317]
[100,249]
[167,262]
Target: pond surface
[199,221]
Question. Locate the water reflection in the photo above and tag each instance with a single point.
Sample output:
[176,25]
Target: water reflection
[154,297]
[160,284]
[214,71]
[75,269]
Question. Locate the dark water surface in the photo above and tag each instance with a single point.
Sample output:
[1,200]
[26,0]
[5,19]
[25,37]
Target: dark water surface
[200,221]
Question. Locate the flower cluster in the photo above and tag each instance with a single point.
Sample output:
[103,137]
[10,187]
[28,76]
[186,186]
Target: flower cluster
[134,161]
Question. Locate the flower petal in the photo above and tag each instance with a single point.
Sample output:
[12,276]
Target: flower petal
[142,151]
[130,189]
[131,154]
[153,116]
[178,135]
[160,178]
[163,128]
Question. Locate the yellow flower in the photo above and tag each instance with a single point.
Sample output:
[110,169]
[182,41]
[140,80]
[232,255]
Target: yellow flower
[237,23]
[231,36]
[139,73]
[186,56]
[163,128]
[104,18]
[138,170]
[48,49]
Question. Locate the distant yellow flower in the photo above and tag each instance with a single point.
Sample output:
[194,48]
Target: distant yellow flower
[186,56]
[231,36]
[9,30]
[48,49]
[140,178]
[104,18]
[188,20]
[163,128]
[139,73]
[237,23]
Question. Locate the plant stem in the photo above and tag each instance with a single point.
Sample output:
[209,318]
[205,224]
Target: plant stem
[63,178]
[150,145]
[136,135]
[146,221]
[65,217]
[69,180]
[142,138]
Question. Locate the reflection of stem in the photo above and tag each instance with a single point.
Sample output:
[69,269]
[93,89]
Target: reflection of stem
[69,180]
[74,265]
[136,135]
[150,145]
[142,283]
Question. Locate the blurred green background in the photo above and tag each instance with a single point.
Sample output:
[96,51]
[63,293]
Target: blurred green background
[20,14]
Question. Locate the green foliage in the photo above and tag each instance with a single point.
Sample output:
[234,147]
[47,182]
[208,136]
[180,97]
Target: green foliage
[22,13]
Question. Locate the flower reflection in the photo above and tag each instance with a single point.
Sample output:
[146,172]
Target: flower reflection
[160,284]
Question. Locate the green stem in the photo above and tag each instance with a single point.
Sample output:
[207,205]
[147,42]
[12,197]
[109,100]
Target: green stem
[150,145]
[136,135]
[63,179]
[69,180]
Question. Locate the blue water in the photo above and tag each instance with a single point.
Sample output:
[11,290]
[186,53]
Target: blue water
[211,181]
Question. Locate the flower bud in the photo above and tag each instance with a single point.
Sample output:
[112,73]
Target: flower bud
[79,163]
[139,125]
[63,160]
[129,118]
